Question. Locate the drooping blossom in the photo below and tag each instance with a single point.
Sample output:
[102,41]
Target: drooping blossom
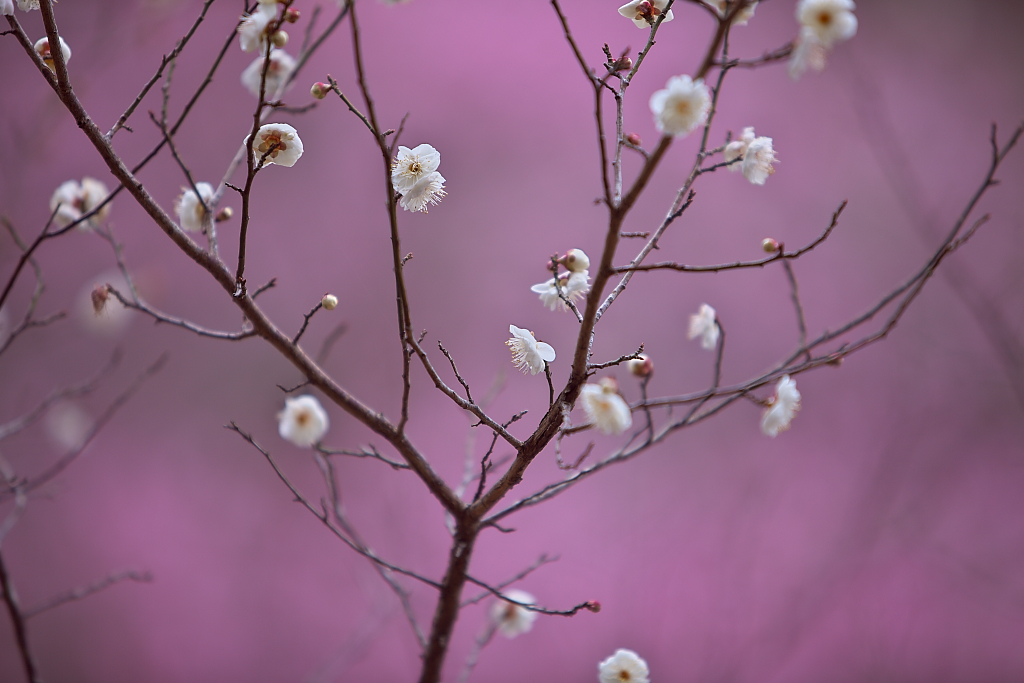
[741,19]
[644,13]
[42,48]
[703,325]
[625,666]
[605,408]
[681,106]
[512,619]
[758,159]
[77,199]
[413,165]
[737,148]
[576,260]
[280,68]
[782,407]
[190,211]
[428,190]
[831,21]
[303,421]
[527,352]
[573,285]
[279,142]
[252,30]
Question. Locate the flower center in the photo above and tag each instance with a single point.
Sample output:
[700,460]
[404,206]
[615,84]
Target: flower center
[825,18]
[624,676]
[683,108]
[302,419]
[272,141]
[647,12]
[415,168]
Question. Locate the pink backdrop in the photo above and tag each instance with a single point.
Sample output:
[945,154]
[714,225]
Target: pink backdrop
[881,538]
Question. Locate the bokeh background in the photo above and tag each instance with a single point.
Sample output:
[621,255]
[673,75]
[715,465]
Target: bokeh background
[881,538]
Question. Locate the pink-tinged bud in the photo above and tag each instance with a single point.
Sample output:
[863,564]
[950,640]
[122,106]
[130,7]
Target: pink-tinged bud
[319,90]
[224,214]
[769,245]
[633,139]
[593,606]
[99,296]
[642,366]
[279,39]
[624,64]
[329,302]
[291,15]
[576,260]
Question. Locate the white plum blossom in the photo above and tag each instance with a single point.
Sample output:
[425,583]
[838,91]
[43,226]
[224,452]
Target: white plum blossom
[281,141]
[191,213]
[782,407]
[831,21]
[808,53]
[644,13]
[512,619]
[428,190]
[576,260]
[303,421]
[77,199]
[42,48]
[252,31]
[413,165]
[625,666]
[605,408]
[741,19]
[757,160]
[572,285]
[527,352]
[703,325]
[7,7]
[681,106]
[737,148]
[280,68]
[28,5]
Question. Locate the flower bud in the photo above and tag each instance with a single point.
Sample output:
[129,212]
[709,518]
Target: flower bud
[319,90]
[329,302]
[99,296]
[642,366]
[624,64]
[633,139]
[576,261]
[224,214]
[593,606]
[769,245]
[279,39]
[291,15]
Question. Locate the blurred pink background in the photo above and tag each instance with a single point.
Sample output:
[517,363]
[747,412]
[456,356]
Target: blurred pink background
[881,538]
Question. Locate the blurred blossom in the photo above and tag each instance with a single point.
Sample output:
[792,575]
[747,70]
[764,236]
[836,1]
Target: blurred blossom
[605,408]
[741,19]
[576,260]
[303,421]
[625,666]
[808,53]
[703,325]
[831,21]
[112,319]
[573,285]
[68,425]
[757,160]
[42,47]
[681,106]
[280,68]
[512,619]
[783,407]
[643,13]
[252,31]
[190,210]
[7,7]
[641,366]
[737,148]
[28,5]
[527,352]
[77,199]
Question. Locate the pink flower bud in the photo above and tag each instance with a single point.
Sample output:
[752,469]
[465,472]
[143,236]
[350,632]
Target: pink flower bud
[291,15]
[769,245]
[319,90]
[633,139]
[642,366]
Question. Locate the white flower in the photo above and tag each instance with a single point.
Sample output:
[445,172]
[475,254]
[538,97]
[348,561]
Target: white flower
[807,53]
[757,161]
[428,190]
[281,141]
[682,106]
[782,408]
[28,5]
[512,619]
[413,165]
[573,285]
[625,666]
[527,352]
[303,421]
[7,7]
[77,199]
[190,210]
[737,148]
[271,4]
[644,13]
[252,31]
[703,325]
[576,260]
[605,408]
[741,19]
[831,21]
[280,68]
[42,48]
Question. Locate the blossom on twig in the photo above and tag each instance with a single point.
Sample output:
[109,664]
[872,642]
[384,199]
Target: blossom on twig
[414,176]
[252,30]
[782,407]
[427,190]
[681,106]
[644,13]
[77,199]
[42,48]
[625,666]
[576,260]
[527,352]
[303,421]
[189,209]
[280,68]
[605,408]
[704,325]
[572,285]
[279,143]
[512,619]
[757,154]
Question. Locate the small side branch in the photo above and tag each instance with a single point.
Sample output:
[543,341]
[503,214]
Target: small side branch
[83,592]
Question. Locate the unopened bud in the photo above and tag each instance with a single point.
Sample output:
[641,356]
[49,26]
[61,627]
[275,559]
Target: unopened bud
[642,366]
[279,39]
[576,261]
[835,362]
[319,90]
[291,15]
[592,606]
[329,302]
[624,64]
[99,296]
[224,214]
[633,139]
[769,245]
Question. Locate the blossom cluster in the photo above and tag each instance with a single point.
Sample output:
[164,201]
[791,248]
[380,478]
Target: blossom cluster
[72,200]
[756,153]
[569,286]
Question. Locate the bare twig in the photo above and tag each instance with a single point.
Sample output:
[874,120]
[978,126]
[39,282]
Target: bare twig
[85,591]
